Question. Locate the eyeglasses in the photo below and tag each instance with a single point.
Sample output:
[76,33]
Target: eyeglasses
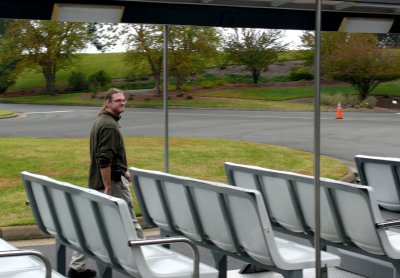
[119,100]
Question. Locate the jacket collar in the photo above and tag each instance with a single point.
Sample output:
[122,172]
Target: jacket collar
[112,115]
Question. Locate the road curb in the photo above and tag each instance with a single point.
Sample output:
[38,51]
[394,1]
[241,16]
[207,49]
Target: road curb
[15,115]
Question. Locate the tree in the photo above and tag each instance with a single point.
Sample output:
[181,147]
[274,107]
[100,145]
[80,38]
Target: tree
[356,59]
[255,49]
[189,47]
[49,45]
[145,43]
[9,58]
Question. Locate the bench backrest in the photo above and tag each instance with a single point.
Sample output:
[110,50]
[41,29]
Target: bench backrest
[233,219]
[383,174]
[83,219]
[287,197]
[349,212]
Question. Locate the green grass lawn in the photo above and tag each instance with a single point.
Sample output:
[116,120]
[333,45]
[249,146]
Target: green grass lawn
[112,63]
[68,160]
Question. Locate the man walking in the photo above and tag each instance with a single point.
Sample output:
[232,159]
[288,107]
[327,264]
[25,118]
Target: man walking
[108,167]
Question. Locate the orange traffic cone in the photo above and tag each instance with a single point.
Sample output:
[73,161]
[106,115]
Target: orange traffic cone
[339,115]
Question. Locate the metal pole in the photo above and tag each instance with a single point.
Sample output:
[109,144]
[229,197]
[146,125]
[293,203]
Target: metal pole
[317,138]
[165,100]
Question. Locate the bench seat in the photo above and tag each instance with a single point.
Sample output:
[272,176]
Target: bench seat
[15,264]
[100,226]
[383,174]
[228,220]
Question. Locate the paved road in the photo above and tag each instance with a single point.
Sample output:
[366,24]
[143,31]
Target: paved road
[366,133]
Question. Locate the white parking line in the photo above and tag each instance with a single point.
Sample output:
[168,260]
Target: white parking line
[48,112]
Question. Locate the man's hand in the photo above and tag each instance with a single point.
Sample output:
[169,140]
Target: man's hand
[127,175]
[107,190]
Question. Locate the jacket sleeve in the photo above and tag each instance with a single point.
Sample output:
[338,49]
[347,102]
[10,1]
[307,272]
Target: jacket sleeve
[106,147]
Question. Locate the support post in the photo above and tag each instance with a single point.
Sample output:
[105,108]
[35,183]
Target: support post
[165,94]
[319,273]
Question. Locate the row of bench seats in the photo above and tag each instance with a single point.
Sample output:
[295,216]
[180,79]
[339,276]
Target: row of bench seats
[100,227]
[230,221]
[350,215]
[203,212]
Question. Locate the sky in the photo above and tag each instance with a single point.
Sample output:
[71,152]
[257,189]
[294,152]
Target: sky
[293,36]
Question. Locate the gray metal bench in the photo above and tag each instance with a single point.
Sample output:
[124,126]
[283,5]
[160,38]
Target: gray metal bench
[383,174]
[100,227]
[19,263]
[350,216]
[229,221]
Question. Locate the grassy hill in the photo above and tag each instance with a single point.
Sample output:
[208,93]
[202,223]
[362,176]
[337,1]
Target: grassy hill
[112,63]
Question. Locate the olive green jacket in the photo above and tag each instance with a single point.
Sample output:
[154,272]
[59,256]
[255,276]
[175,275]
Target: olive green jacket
[106,149]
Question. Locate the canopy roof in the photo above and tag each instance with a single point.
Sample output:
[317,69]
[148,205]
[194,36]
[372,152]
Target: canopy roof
[279,14]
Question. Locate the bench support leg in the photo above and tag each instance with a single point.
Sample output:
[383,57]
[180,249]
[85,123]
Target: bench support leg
[251,268]
[220,264]
[104,271]
[294,274]
[61,258]
[396,269]
[165,234]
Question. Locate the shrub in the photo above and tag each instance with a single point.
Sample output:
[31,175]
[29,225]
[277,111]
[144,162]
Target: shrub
[8,74]
[220,81]
[99,80]
[207,84]
[332,100]
[189,97]
[300,74]
[353,100]
[77,81]
[186,87]
[137,85]
[369,102]
[280,78]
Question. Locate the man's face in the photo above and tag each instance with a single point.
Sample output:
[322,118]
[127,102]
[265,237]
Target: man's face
[117,104]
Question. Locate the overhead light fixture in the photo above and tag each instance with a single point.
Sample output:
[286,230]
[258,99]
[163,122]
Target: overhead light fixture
[366,25]
[87,13]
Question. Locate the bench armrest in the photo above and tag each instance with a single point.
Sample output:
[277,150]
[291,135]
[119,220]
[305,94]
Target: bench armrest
[388,223]
[159,241]
[15,253]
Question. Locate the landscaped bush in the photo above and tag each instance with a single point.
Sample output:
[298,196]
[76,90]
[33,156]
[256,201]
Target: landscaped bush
[332,100]
[300,74]
[207,84]
[352,100]
[99,80]
[280,78]
[369,102]
[186,87]
[77,81]
[137,85]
